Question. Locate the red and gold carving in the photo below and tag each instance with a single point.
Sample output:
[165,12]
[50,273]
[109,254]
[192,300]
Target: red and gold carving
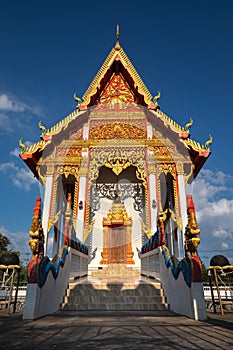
[117,91]
[117,131]
[70,152]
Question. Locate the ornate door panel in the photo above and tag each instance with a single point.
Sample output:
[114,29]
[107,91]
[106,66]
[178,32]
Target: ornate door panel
[117,239]
[117,245]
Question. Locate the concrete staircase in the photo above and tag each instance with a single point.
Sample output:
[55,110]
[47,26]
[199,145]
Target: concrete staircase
[115,288]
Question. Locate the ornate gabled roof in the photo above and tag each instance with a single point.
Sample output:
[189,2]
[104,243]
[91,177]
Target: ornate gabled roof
[117,54]
[117,64]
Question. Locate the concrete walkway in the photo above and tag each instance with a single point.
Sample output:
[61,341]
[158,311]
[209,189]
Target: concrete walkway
[116,330]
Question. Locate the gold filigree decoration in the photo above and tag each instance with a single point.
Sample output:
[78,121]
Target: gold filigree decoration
[192,144]
[53,220]
[167,168]
[176,196]
[117,214]
[146,229]
[168,121]
[54,194]
[75,208]
[117,131]
[87,227]
[117,165]
[126,157]
[88,230]
[117,91]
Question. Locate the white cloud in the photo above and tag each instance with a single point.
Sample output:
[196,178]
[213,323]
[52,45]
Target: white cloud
[5,123]
[15,152]
[8,104]
[224,246]
[23,179]
[213,197]
[20,177]
[223,234]
[16,115]
[4,167]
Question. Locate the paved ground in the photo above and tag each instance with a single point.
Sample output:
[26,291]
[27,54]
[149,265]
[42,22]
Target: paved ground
[115,331]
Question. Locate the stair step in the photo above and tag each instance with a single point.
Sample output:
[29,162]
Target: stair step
[115,307]
[116,287]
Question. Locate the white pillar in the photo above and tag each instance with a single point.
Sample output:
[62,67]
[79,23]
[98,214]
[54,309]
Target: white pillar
[82,194]
[153,196]
[182,200]
[46,208]
[81,212]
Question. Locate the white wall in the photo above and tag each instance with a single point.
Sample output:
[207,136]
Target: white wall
[183,300]
[46,300]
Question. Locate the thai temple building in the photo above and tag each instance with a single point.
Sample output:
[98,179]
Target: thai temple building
[115,172]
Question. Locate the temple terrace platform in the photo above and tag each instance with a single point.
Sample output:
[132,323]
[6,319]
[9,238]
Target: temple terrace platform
[116,330]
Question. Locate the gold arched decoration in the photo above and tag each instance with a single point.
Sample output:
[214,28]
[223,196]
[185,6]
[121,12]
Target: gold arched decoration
[167,168]
[118,165]
[68,170]
[118,160]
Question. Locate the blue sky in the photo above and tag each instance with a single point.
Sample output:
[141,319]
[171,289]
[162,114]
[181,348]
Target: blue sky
[51,49]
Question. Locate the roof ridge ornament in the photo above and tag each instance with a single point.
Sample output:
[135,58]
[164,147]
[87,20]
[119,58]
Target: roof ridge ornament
[117,46]
[208,143]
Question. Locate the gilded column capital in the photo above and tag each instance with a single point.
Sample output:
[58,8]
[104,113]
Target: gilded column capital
[180,168]
[83,171]
[49,170]
[151,169]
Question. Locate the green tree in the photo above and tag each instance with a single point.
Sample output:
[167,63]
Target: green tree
[4,242]
[204,273]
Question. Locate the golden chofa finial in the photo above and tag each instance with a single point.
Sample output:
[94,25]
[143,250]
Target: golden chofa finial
[117,46]
[208,143]
[188,125]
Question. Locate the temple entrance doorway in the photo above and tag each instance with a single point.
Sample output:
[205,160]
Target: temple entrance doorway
[117,240]
[117,207]
[117,245]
